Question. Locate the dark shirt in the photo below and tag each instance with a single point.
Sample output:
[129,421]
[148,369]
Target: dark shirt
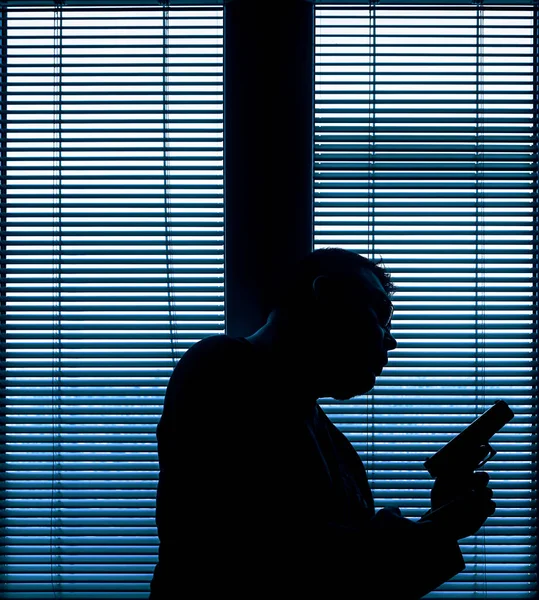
[260,494]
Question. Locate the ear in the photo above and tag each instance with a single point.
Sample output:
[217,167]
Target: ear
[322,288]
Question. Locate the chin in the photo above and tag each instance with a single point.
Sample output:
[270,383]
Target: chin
[358,388]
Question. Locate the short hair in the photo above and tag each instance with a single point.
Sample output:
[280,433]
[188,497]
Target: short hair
[295,293]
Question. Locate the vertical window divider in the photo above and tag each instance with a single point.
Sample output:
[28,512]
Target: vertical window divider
[271,163]
[371,204]
[166,192]
[3,269]
[56,391]
[535,282]
[479,279]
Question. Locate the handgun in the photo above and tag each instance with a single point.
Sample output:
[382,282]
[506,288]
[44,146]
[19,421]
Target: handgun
[470,449]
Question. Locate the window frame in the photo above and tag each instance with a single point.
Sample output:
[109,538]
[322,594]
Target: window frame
[245,254]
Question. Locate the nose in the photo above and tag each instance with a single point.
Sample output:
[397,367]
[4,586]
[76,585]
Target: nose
[390,341]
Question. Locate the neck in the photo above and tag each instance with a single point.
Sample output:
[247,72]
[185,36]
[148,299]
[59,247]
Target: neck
[288,358]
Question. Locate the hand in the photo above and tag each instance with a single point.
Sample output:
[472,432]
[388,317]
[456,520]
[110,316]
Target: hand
[446,488]
[460,508]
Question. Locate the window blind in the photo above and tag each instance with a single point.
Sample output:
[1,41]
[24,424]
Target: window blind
[113,265]
[425,156]
[99,5]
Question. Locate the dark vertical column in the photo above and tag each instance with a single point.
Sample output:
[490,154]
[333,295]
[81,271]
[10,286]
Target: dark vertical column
[269,96]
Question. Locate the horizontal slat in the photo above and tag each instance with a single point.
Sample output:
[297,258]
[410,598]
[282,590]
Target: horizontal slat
[106,5]
[27,8]
[384,395]
[363,100]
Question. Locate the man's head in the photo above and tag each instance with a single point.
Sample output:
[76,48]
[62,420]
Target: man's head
[339,304]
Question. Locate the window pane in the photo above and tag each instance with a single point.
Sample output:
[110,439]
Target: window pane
[424,158]
[116,260]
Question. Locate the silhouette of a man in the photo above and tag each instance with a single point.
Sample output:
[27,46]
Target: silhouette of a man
[260,495]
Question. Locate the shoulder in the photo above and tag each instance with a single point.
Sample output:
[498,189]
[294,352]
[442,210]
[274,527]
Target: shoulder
[215,349]
[219,342]
[212,361]
[211,370]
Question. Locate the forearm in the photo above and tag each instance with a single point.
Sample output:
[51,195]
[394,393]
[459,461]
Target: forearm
[397,557]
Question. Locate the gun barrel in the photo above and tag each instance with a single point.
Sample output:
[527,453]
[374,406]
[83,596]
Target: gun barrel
[454,455]
[491,421]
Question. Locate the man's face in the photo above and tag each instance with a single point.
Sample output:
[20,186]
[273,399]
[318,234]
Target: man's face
[354,339]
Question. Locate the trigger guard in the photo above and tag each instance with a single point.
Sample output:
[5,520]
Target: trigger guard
[491,453]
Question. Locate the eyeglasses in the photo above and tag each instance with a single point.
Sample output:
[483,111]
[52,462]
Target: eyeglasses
[385,314]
